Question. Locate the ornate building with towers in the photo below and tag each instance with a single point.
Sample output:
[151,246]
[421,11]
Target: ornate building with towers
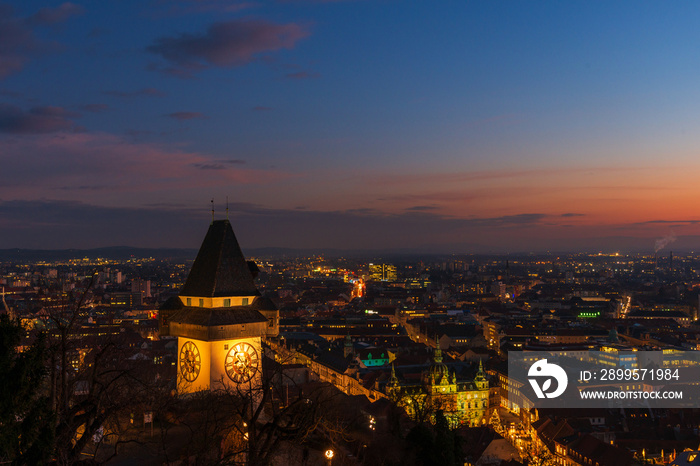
[219,318]
[462,402]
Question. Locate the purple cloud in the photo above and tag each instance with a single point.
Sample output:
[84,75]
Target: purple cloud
[179,7]
[231,43]
[662,222]
[218,164]
[302,75]
[17,39]
[310,1]
[422,208]
[13,94]
[16,42]
[81,188]
[38,120]
[55,112]
[186,115]
[49,223]
[507,220]
[59,14]
[70,158]
[149,91]
[209,166]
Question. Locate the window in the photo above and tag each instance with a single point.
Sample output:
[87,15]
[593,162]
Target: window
[245,302]
[271,323]
[201,302]
[227,302]
[189,301]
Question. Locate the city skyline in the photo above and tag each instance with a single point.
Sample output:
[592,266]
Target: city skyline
[468,127]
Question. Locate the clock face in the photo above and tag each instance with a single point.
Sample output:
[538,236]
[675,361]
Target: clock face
[242,362]
[190,361]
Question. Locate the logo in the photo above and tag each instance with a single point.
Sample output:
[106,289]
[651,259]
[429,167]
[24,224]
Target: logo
[542,369]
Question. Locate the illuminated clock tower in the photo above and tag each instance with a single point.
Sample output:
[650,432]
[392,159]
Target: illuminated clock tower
[219,318]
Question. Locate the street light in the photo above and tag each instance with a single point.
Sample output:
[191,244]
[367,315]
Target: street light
[329,456]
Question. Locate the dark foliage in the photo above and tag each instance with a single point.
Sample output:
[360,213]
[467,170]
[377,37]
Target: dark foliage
[26,419]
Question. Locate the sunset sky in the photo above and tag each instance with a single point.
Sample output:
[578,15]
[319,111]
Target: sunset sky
[453,126]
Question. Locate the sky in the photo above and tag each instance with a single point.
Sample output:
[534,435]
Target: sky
[452,126]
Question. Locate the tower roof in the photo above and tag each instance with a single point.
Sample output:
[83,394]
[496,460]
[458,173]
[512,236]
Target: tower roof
[438,369]
[220,268]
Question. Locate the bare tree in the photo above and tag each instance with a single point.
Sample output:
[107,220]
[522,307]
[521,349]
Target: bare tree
[422,407]
[95,379]
[250,423]
[538,455]
[97,386]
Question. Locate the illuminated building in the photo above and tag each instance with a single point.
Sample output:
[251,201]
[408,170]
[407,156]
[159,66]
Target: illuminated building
[462,402]
[141,286]
[372,357]
[687,458]
[616,355]
[382,272]
[126,299]
[219,318]
[116,277]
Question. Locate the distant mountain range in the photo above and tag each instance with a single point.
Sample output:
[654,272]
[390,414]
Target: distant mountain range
[625,245]
[126,252]
[116,253]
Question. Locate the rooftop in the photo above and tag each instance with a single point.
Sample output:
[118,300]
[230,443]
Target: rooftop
[220,268]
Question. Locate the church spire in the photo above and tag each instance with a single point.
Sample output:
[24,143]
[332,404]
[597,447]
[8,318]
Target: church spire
[393,380]
[480,377]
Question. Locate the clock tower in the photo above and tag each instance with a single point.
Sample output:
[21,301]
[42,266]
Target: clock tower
[219,318]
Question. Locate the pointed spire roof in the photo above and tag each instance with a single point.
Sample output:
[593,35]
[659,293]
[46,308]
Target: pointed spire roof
[480,373]
[220,268]
[393,380]
[438,370]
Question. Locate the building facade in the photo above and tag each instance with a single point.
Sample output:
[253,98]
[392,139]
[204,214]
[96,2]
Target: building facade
[219,318]
[462,402]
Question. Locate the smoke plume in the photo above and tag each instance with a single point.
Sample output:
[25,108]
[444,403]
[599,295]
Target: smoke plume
[663,242]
